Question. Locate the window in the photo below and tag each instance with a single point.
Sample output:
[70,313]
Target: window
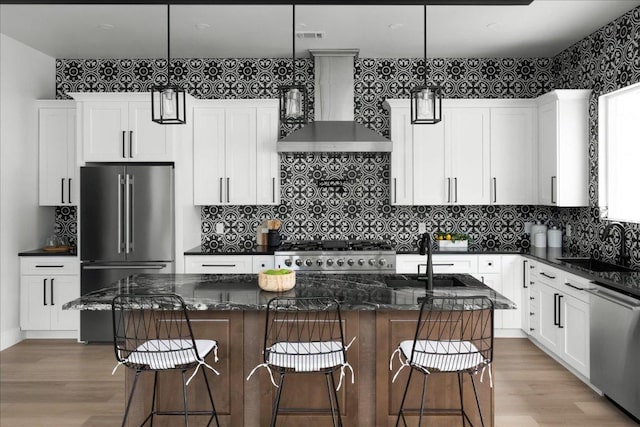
[619,154]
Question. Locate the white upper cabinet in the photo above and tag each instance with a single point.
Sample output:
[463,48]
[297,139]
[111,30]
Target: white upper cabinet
[57,153]
[228,135]
[117,127]
[431,174]
[563,131]
[513,155]
[402,154]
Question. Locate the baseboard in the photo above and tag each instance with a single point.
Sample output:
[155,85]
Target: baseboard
[10,338]
[509,333]
[51,335]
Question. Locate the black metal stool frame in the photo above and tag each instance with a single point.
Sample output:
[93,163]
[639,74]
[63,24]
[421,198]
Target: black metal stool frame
[167,314]
[304,319]
[478,331]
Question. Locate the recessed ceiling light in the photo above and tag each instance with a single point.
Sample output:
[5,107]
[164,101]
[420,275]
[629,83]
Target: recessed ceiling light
[395,26]
[492,25]
[106,27]
[202,26]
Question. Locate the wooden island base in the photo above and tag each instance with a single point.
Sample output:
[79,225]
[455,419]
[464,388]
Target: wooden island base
[372,401]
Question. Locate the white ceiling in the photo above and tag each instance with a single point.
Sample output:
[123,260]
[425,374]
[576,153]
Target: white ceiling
[542,29]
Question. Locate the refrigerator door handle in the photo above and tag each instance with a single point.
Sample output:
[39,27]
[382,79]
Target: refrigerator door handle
[127,213]
[120,243]
[124,267]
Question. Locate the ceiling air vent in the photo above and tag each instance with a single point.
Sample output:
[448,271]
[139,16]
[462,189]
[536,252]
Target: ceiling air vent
[310,34]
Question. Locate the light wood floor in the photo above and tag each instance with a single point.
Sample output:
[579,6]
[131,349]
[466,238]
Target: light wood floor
[62,383]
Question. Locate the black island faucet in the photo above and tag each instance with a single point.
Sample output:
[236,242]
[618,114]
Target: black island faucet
[425,249]
[623,257]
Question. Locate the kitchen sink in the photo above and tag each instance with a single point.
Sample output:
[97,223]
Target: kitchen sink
[594,264]
[415,281]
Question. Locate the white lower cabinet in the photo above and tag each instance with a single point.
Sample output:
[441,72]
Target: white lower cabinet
[46,284]
[218,264]
[262,262]
[562,322]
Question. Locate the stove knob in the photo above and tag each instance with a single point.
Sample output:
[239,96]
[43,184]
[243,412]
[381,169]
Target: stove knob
[288,262]
[319,262]
[382,261]
[340,262]
[329,262]
[360,262]
[350,261]
[299,262]
[308,262]
[372,262]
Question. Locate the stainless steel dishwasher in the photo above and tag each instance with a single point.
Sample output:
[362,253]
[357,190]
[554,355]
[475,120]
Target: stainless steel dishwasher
[615,346]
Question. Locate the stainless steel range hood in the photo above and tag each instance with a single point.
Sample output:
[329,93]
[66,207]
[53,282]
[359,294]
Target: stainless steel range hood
[334,129]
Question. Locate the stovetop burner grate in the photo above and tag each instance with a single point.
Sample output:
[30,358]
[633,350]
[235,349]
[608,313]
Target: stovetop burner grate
[334,245]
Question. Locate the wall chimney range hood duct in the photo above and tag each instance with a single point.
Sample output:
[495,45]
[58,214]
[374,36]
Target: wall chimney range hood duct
[334,129]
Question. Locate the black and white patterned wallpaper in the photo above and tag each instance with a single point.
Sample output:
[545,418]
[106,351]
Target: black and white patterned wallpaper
[603,61]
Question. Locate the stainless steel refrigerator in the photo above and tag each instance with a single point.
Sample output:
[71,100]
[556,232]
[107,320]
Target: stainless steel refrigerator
[126,227]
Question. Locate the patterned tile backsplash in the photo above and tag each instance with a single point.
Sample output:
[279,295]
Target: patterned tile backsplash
[604,61]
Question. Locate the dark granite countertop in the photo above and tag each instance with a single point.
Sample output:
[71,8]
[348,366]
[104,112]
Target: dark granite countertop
[41,252]
[256,250]
[241,291]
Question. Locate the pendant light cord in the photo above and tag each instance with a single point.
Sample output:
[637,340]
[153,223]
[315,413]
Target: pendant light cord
[168,45]
[425,43]
[293,38]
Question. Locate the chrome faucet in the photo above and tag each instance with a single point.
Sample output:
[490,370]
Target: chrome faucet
[623,255]
[425,249]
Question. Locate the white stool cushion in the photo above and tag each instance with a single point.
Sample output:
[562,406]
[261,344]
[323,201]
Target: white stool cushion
[444,356]
[167,354]
[306,356]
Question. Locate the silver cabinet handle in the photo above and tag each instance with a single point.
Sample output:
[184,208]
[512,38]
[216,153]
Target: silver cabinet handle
[273,188]
[44,292]
[124,153]
[495,190]
[448,190]
[220,190]
[227,189]
[455,187]
[120,213]
[69,193]
[395,190]
[553,199]
[51,290]
[130,221]
[131,144]
[62,190]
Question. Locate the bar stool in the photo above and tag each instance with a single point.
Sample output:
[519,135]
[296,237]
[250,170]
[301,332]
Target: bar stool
[153,333]
[304,335]
[454,335]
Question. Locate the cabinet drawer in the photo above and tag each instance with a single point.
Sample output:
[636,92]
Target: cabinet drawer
[218,264]
[455,264]
[489,264]
[574,285]
[49,265]
[262,262]
[549,275]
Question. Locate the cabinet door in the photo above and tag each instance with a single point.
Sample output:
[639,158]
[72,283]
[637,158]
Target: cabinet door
[494,281]
[574,316]
[467,139]
[57,156]
[547,157]
[401,157]
[240,156]
[431,185]
[513,157]
[208,156]
[147,139]
[62,290]
[549,333]
[267,159]
[35,308]
[513,283]
[105,128]
[262,262]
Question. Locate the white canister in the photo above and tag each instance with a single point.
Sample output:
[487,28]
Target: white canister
[536,231]
[554,237]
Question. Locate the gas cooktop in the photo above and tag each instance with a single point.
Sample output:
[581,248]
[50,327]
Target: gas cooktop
[334,245]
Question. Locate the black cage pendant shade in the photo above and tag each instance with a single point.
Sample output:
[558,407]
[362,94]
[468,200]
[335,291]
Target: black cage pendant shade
[293,97]
[426,100]
[168,102]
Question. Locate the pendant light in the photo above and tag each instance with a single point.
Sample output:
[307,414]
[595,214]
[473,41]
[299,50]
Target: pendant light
[426,100]
[168,103]
[293,98]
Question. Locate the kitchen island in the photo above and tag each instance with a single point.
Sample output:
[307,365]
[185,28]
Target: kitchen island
[380,310]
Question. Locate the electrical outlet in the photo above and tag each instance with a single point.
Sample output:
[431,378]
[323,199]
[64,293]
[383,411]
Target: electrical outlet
[220,228]
[567,230]
[422,227]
